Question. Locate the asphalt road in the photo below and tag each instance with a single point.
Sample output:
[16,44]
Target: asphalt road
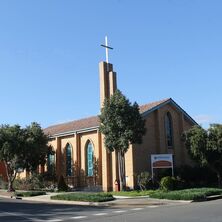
[20,210]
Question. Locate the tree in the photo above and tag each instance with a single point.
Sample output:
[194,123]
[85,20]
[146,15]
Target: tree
[22,148]
[205,147]
[37,147]
[122,125]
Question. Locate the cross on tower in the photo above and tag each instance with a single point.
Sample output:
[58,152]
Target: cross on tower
[107,48]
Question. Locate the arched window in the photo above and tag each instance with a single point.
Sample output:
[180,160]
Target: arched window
[68,160]
[169,130]
[89,159]
[51,163]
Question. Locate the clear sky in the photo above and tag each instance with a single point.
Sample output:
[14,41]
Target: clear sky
[50,50]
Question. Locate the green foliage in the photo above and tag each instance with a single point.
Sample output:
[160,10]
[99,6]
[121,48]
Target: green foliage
[205,147]
[196,143]
[35,182]
[90,197]
[24,148]
[30,193]
[187,194]
[37,147]
[62,186]
[121,123]
[167,183]
[49,180]
[143,180]
[196,176]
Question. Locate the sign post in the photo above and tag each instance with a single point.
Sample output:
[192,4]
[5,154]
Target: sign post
[161,161]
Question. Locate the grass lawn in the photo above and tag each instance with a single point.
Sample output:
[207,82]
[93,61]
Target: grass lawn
[186,194]
[30,193]
[88,197]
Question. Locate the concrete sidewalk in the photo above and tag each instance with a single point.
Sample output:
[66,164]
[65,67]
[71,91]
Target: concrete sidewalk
[119,201]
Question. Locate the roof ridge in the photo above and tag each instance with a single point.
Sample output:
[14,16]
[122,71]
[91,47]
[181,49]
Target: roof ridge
[148,106]
[93,121]
[154,102]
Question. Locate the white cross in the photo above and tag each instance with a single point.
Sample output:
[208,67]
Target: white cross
[107,48]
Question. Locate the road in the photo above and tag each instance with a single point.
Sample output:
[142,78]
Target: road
[20,210]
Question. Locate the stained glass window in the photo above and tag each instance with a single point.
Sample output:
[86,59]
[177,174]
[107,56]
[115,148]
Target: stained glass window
[68,160]
[89,156]
[169,130]
[51,163]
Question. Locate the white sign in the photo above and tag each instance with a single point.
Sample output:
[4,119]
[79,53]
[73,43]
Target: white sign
[161,161]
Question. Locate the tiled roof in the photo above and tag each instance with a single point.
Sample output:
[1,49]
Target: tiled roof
[78,125]
[149,106]
[73,125]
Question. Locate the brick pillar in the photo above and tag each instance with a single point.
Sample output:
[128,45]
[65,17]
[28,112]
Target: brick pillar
[59,157]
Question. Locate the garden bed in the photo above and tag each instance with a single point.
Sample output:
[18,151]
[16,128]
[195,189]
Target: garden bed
[29,193]
[186,194]
[133,193]
[86,197]
[195,194]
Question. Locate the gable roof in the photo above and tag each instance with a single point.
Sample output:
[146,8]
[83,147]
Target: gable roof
[158,105]
[92,123]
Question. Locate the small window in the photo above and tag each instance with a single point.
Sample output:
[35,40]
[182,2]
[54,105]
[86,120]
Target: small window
[169,130]
[89,159]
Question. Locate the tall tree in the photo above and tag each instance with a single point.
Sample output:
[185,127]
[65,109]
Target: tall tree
[122,125]
[22,148]
[205,147]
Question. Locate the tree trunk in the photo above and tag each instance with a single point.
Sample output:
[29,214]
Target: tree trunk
[219,178]
[10,177]
[121,167]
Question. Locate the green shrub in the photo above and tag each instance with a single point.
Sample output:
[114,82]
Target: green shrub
[90,197]
[33,182]
[196,176]
[133,193]
[143,180]
[62,186]
[167,183]
[187,194]
[30,193]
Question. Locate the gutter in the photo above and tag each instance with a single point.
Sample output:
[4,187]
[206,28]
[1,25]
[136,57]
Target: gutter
[72,132]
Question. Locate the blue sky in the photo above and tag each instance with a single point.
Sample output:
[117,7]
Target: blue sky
[50,50]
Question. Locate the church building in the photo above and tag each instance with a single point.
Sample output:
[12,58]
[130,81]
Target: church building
[81,157]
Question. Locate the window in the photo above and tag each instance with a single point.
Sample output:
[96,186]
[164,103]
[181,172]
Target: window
[68,160]
[51,163]
[169,130]
[89,159]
